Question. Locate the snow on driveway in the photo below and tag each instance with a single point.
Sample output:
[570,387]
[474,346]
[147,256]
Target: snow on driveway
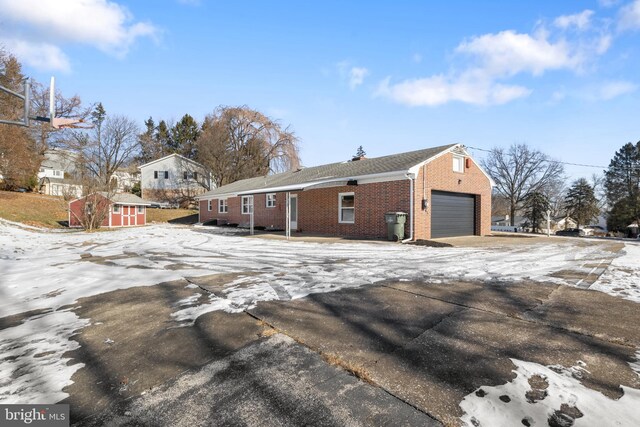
[44,270]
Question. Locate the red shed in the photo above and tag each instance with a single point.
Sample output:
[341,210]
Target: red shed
[118,210]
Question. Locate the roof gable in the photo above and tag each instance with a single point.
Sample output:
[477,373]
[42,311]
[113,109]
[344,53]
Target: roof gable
[170,156]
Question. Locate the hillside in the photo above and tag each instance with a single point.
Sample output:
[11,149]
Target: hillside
[51,212]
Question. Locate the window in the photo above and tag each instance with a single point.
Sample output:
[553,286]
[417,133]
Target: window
[140,209]
[346,208]
[166,174]
[155,174]
[271,200]
[116,208]
[190,175]
[209,205]
[223,207]
[247,204]
[57,173]
[458,164]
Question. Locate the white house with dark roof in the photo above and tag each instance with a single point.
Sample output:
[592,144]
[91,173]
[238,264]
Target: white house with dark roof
[173,178]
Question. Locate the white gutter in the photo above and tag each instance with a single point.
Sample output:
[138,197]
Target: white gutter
[411,178]
[300,187]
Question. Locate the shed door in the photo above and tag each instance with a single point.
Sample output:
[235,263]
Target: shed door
[452,214]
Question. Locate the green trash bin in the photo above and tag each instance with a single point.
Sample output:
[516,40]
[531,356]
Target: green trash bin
[395,225]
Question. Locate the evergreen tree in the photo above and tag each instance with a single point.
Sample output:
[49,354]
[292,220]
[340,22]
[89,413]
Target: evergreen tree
[163,137]
[581,203]
[150,149]
[183,137]
[536,205]
[622,186]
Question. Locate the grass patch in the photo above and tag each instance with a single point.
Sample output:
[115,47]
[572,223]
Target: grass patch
[33,209]
[178,216]
[352,368]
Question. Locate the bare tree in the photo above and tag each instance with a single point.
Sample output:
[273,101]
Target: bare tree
[108,146]
[521,170]
[43,133]
[238,143]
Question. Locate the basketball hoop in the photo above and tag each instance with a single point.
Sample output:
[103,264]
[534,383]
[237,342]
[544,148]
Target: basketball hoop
[65,123]
[55,122]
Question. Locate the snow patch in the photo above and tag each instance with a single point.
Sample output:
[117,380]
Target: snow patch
[507,404]
[32,369]
[622,278]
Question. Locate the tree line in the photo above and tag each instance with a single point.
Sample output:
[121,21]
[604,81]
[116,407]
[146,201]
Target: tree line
[233,142]
[530,183]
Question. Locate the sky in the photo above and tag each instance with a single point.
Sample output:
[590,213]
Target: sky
[396,76]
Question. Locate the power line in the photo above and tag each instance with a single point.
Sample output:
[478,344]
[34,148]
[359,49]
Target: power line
[550,161]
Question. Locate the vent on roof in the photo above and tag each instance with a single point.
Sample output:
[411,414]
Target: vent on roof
[299,169]
[356,158]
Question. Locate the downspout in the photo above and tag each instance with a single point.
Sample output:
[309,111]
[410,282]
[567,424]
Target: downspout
[411,178]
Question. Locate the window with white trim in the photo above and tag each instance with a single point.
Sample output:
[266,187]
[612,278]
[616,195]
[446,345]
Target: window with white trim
[247,204]
[116,208]
[209,205]
[223,206]
[458,164]
[271,200]
[346,208]
[140,209]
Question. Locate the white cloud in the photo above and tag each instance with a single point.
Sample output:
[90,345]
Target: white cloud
[580,21]
[356,76]
[508,53]
[612,90]
[439,90]
[629,16]
[489,61]
[103,24]
[42,56]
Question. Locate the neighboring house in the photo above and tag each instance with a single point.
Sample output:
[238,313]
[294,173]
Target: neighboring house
[121,209]
[125,179]
[56,174]
[633,229]
[173,178]
[442,189]
[562,223]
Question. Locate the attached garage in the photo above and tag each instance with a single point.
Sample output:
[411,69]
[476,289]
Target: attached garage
[452,214]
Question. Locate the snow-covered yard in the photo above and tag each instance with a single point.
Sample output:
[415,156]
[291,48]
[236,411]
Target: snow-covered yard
[48,271]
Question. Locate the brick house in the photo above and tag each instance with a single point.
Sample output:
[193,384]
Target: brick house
[118,210]
[442,189]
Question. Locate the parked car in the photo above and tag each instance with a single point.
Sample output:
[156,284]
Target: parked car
[573,232]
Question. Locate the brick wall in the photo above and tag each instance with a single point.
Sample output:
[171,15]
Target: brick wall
[439,175]
[318,208]
[273,217]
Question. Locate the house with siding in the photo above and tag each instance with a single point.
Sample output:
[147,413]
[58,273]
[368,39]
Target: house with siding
[116,210]
[174,179]
[442,189]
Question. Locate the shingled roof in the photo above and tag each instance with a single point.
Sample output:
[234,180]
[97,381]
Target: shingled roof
[125,199]
[333,172]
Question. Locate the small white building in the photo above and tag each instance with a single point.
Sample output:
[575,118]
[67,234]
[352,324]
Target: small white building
[56,174]
[174,179]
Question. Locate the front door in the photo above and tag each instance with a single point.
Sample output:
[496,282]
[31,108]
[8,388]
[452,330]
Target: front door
[294,212]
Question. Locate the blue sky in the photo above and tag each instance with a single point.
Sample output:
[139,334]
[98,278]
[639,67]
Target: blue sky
[390,76]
